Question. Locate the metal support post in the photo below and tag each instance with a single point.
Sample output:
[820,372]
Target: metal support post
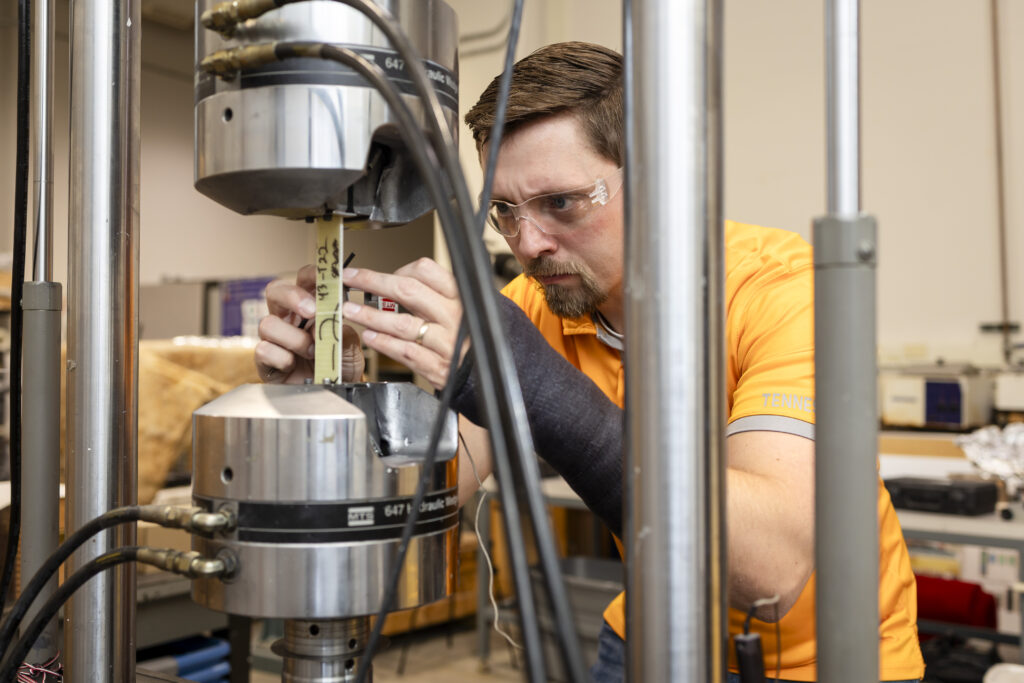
[102,363]
[675,401]
[40,471]
[846,477]
[41,302]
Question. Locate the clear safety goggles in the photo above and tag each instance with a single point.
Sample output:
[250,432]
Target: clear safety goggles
[555,213]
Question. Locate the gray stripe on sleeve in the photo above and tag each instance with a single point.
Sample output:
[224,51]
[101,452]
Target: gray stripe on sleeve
[771,423]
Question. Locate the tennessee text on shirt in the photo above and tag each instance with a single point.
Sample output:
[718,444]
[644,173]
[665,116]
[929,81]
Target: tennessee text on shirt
[792,401]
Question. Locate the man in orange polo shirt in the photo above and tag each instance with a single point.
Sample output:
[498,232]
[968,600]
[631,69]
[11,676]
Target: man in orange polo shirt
[557,201]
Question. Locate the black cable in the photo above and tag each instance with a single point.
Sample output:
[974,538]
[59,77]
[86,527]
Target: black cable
[49,610]
[426,473]
[565,627]
[498,127]
[502,401]
[31,590]
[17,287]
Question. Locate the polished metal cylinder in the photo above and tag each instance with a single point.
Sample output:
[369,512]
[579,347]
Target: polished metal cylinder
[322,651]
[321,487]
[842,30]
[305,137]
[676,625]
[102,358]
[42,138]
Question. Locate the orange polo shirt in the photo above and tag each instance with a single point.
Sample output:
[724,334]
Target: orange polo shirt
[769,330]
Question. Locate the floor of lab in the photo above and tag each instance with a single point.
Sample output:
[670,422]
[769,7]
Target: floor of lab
[430,659]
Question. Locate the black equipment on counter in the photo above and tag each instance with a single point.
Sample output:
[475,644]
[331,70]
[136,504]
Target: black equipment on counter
[942,495]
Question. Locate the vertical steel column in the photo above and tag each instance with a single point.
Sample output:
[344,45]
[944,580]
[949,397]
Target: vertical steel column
[103,325]
[674,322]
[846,478]
[41,302]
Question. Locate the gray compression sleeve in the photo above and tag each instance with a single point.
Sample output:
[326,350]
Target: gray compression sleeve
[575,428]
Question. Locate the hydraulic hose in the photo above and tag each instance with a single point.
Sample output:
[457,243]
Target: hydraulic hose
[49,610]
[180,518]
[186,563]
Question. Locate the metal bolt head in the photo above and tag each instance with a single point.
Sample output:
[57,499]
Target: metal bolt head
[866,250]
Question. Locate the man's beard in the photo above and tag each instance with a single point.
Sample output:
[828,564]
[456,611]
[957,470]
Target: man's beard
[567,302]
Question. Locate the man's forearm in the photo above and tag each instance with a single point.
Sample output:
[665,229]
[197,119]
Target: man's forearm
[575,428]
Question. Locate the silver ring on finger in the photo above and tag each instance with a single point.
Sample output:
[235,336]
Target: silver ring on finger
[422,333]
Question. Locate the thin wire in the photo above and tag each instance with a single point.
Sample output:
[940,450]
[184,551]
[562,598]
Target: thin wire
[27,671]
[483,548]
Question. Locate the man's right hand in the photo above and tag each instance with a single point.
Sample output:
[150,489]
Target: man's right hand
[286,349]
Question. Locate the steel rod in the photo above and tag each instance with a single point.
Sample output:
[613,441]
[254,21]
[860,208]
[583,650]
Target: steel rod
[674,388]
[997,107]
[846,478]
[843,106]
[42,138]
[103,325]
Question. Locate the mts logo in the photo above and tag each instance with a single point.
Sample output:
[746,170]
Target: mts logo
[361,516]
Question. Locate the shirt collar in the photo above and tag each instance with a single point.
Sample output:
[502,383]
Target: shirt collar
[593,324]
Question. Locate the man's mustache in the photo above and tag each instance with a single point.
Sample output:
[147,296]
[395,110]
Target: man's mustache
[546,267]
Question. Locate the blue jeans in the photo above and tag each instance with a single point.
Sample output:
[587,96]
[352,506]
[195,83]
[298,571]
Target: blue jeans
[611,661]
[611,657]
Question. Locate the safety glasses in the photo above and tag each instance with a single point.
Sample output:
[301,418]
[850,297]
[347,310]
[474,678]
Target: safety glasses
[557,212]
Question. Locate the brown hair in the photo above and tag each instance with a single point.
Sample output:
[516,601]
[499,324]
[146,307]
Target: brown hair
[580,78]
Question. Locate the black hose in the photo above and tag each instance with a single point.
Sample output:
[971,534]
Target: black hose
[31,590]
[505,413]
[17,286]
[49,610]
[565,627]
[410,524]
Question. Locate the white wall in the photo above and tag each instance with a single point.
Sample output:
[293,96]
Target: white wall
[927,130]
[928,154]
[928,148]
